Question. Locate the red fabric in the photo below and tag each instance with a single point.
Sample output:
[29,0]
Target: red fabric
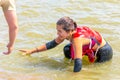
[72,52]
[89,52]
[86,32]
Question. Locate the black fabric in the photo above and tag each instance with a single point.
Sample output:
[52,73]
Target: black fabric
[105,53]
[95,40]
[67,50]
[51,44]
[77,65]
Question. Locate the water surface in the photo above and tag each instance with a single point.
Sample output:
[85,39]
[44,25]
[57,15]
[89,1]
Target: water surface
[37,21]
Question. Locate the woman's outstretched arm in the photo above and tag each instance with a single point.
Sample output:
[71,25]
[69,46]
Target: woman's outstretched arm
[44,47]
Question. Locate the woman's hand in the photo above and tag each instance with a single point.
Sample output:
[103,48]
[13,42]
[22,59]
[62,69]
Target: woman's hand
[26,51]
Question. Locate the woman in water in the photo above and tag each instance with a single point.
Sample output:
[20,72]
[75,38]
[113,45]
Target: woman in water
[83,41]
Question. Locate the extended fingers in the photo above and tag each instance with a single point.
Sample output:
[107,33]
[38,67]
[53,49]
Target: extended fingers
[23,50]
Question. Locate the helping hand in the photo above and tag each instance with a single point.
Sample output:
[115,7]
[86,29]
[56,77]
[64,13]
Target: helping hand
[25,51]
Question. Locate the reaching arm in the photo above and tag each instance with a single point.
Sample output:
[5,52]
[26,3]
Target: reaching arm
[44,47]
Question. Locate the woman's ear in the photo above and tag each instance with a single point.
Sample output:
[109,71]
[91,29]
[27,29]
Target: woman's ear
[71,32]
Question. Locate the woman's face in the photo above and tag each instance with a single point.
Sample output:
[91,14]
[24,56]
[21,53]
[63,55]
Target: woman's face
[62,33]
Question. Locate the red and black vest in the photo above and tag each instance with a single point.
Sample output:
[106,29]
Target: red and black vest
[85,32]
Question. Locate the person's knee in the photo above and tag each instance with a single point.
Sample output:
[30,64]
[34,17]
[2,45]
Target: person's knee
[104,54]
[67,51]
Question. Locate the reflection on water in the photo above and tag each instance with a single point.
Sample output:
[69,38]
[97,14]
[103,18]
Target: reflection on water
[37,26]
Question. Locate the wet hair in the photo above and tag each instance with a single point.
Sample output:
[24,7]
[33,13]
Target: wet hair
[67,23]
